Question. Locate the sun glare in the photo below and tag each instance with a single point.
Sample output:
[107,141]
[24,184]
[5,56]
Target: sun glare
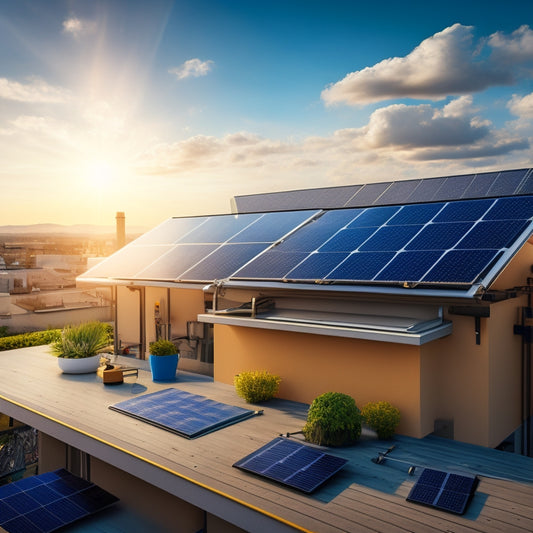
[99,174]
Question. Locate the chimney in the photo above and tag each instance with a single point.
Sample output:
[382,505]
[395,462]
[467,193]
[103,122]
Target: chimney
[121,229]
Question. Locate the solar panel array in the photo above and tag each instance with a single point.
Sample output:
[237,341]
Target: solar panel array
[444,490]
[185,414]
[292,464]
[464,187]
[435,243]
[47,502]
[198,249]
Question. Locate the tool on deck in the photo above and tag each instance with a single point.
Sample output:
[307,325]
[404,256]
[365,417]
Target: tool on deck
[383,456]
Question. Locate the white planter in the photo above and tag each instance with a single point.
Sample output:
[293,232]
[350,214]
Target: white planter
[79,366]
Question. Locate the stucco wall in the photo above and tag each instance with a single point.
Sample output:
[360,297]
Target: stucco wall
[310,365]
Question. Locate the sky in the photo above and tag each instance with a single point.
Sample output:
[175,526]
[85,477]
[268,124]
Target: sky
[164,108]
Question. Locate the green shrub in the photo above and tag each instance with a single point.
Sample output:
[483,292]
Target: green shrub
[24,340]
[256,385]
[333,419]
[4,331]
[83,340]
[382,417]
[162,347]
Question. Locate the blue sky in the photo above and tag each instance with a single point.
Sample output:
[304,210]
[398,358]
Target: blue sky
[161,108]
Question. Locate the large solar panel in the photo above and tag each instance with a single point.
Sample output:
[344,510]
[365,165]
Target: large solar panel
[444,490]
[452,243]
[48,502]
[447,188]
[185,414]
[198,249]
[291,463]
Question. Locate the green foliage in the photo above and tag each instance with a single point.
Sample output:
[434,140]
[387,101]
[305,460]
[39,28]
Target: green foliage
[36,338]
[256,386]
[83,340]
[382,417]
[162,347]
[333,419]
[3,331]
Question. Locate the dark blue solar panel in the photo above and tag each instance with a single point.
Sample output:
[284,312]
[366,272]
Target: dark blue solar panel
[44,494]
[37,505]
[409,266]
[507,182]
[361,266]
[176,261]
[170,231]
[219,229]
[293,464]
[426,190]
[271,265]
[527,186]
[272,226]
[44,520]
[187,415]
[398,192]
[390,238]
[461,266]
[439,236]
[368,194]
[481,185]
[453,187]
[444,490]
[515,208]
[465,211]
[375,216]
[492,234]
[316,266]
[347,240]
[223,262]
[415,214]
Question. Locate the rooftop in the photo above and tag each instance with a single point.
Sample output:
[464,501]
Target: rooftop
[362,496]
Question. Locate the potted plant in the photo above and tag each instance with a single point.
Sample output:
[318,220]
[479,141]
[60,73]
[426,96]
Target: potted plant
[79,347]
[163,360]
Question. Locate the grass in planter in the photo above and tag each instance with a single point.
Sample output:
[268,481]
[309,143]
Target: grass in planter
[83,340]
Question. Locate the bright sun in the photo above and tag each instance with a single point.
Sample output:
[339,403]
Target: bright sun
[99,173]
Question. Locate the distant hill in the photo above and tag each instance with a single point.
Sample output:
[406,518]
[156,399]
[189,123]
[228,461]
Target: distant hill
[59,229]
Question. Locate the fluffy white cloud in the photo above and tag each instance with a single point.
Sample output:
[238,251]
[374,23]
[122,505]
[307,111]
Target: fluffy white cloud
[447,63]
[522,106]
[78,27]
[36,91]
[192,68]
[397,134]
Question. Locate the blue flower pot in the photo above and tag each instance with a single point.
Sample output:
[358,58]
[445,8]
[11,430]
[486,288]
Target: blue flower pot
[164,367]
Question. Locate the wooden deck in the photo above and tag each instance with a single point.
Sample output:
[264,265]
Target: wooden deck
[364,496]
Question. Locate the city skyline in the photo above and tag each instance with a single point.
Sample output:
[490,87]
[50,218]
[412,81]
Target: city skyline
[165,108]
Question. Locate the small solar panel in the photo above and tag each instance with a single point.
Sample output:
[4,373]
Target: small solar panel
[185,414]
[49,501]
[444,490]
[291,463]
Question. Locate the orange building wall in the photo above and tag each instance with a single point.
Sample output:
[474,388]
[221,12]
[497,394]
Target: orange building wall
[455,381]
[310,365]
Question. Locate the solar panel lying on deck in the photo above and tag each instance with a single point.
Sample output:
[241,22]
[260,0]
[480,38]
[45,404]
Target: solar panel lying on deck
[449,242]
[47,502]
[444,490]
[293,464]
[188,415]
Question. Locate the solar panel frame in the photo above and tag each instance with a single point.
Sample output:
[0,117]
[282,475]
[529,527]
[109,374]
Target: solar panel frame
[293,464]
